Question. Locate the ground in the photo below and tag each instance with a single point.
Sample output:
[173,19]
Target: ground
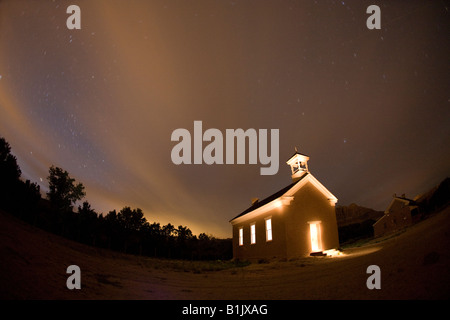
[414,264]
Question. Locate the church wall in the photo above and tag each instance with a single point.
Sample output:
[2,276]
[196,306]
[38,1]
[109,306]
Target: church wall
[276,248]
[309,205]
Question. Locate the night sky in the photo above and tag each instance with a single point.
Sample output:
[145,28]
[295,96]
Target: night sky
[370,107]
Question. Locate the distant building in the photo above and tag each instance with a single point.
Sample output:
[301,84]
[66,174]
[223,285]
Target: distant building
[401,212]
[298,220]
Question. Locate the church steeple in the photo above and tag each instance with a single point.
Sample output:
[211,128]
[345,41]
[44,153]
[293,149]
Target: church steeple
[299,165]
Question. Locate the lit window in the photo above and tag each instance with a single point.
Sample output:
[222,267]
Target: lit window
[241,236]
[252,234]
[268,229]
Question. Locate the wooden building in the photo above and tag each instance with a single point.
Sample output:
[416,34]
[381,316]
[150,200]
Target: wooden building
[298,220]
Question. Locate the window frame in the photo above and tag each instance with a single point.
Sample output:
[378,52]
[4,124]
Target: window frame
[241,236]
[268,231]
[253,233]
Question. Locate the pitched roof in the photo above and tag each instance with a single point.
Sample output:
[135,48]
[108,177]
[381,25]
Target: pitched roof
[274,196]
[404,198]
[393,205]
[296,152]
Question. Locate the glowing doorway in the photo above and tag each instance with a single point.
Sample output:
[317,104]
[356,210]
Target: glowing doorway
[316,243]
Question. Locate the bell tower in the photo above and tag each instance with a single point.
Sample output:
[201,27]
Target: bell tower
[299,165]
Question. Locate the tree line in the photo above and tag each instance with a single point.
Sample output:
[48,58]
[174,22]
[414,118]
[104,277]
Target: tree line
[126,230]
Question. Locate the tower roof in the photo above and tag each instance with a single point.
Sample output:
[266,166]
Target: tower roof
[298,155]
